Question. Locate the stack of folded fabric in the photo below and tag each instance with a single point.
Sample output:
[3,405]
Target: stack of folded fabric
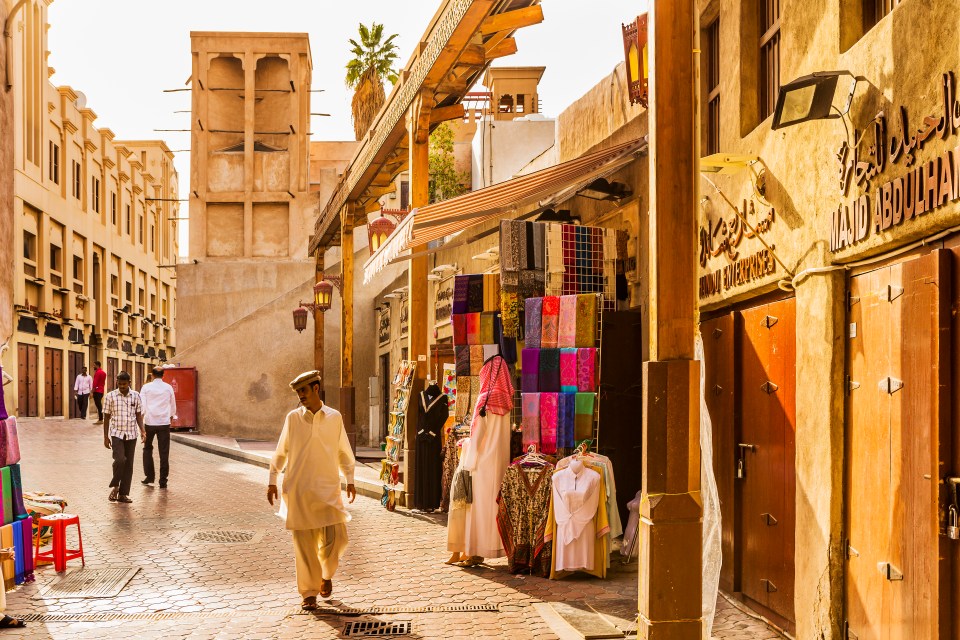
[523,257]
[17,528]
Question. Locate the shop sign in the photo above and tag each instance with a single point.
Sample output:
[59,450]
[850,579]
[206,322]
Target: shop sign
[443,309]
[383,328]
[404,319]
[924,188]
[724,236]
[739,272]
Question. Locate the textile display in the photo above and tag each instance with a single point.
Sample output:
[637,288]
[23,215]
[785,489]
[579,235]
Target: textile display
[40,503]
[508,346]
[568,233]
[428,472]
[568,371]
[486,462]
[26,530]
[18,550]
[9,442]
[586,369]
[512,245]
[8,515]
[586,320]
[491,292]
[530,370]
[473,328]
[566,416]
[449,386]
[550,321]
[461,286]
[476,359]
[510,280]
[16,487]
[583,422]
[567,334]
[550,370]
[3,406]
[461,355]
[490,350]
[576,501]
[533,314]
[509,313]
[548,422]
[532,284]
[9,566]
[539,245]
[485,335]
[524,506]
[530,403]
[604,466]
[459,322]
[474,293]
[464,396]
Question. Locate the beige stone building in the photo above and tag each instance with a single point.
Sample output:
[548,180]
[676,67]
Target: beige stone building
[96,237]
[254,187]
[7,246]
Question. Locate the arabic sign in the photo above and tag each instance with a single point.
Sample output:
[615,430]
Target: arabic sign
[739,272]
[383,329]
[724,235]
[443,309]
[925,187]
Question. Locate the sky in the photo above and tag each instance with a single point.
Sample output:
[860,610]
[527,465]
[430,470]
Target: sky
[122,54]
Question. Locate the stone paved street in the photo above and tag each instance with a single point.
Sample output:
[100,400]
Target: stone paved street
[248,590]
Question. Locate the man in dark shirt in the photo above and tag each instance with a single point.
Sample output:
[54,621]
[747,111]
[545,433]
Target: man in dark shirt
[99,381]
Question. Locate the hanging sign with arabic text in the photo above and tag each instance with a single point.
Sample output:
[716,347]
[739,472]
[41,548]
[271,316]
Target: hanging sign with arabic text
[723,236]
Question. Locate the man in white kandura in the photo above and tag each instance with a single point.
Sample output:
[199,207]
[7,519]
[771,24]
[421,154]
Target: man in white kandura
[313,446]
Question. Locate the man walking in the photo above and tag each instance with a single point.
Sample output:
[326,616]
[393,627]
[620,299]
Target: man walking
[313,445]
[124,417]
[82,387]
[159,409]
[99,382]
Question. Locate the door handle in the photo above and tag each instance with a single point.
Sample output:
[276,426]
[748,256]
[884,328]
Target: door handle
[890,572]
[768,586]
[769,519]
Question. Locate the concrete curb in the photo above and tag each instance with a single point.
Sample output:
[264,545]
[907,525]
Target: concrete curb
[364,486]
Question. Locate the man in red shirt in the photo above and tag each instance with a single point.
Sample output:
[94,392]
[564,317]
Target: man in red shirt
[99,380]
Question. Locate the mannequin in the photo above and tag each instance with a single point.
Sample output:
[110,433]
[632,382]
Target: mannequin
[433,415]
[7,379]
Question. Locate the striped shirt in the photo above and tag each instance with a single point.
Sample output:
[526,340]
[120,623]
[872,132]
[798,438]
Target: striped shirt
[123,410]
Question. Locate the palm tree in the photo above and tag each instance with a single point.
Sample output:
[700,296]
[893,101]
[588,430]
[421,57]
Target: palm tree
[373,60]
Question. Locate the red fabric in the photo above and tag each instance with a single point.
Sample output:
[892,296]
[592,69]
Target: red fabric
[496,388]
[99,380]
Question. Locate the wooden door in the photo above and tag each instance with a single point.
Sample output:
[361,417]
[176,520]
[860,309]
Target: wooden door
[766,357]
[74,365]
[27,374]
[719,387]
[112,371]
[139,367]
[53,382]
[898,563]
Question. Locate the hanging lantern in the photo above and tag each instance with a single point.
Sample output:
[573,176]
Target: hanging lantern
[300,318]
[379,230]
[635,53]
[323,295]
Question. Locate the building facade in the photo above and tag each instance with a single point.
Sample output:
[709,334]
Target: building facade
[95,234]
[828,299]
[7,246]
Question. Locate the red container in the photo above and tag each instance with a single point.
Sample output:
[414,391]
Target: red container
[184,383]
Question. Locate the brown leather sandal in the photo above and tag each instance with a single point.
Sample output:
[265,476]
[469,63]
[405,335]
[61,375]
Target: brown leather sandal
[326,588]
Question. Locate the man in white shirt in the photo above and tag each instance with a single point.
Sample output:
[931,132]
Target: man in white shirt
[159,410]
[313,445]
[82,387]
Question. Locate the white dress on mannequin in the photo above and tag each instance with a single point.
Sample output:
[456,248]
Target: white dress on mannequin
[576,497]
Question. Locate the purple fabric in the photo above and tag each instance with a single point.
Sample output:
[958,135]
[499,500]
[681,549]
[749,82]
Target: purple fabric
[548,422]
[533,308]
[530,403]
[566,413]
[530,370]
[461,288]
[568,370]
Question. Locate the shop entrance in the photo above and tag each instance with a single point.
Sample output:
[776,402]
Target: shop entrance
[74,365]
[53,382]
[898,449]
[750,365]
[28,380]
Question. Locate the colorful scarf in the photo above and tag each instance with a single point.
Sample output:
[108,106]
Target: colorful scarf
[473,328]
[539,245]
[530,370]
[461,285]
[548,422]
[508,348]
[586,369]
[476,359]
[586,335]
[461,354]
[459,328]
[566,416]
[567,335]
[510,313]
[583,426]
[464,399]
[549,370]
[512,245]
[491,292]
[550,332]
[533,310]
[475,293]
[531,284]
[530,403]
[568,370]
[496,388]
[486,328]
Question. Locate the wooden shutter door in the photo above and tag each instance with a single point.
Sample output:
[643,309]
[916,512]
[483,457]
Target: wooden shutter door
[57,386]
[48,381]
[33,375]
[23,380]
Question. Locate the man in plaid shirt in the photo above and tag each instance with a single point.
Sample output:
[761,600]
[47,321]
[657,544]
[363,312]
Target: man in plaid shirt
[123,417]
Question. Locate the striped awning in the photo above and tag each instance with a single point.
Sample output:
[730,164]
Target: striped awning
[442,219]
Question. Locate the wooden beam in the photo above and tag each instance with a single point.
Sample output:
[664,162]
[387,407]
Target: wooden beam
[420,112]
[512,20]
[346,323]
[453,112]
[507,47]
[452,87]
[473,56]
[318,328]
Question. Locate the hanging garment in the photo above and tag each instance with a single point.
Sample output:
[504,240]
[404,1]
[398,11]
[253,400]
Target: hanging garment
[428,470]
[475,293]
[548,422]
[510,313]
[530,370]
[604,466]
[586,334]
[566,414]
[539,245]
[486,460]
[550,322]
[586,370]
[512,241]
[523,508]
[576,498]
[583,427]
[568,370]
[461,286]
[532,284]
[567,336]
[530,403]
[465,396]
[533,322]
[549,370]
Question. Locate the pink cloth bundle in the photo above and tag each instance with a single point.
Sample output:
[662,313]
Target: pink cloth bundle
[586,369]
[567,336]
[548,422]
[568,370]
[530,403]
[551,322]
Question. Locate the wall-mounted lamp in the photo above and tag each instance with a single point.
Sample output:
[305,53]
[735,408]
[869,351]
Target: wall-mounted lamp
[493,253]
[442,268]
[600,189]
[812,98]
[635,54]
[434,277]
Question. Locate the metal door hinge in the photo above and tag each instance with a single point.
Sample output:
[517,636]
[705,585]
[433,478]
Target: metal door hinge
[768,387]
[891,385]
[851,552]
[769,321]
[893,292]
[717,389]
[769,519]
[889,571]
[769,586]
[852,300]
[717,333]
[852,385]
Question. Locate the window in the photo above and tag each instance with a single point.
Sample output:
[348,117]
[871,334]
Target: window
[95,191]
[77,268]
[113,208]
[128,219]
[29,246]
[875,10]
[114,285]
[54,163]
[153,246]
[55,252]
[140,229]
[140,297]
[769,83]
[128,291]
[712,76]
[521,102]
[76,178]
[506,104]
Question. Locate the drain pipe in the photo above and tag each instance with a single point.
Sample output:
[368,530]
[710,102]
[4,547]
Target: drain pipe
[8,38]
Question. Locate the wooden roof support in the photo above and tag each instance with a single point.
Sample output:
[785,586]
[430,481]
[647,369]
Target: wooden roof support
[512,20]
[506,47]
[420,112]
[453,112]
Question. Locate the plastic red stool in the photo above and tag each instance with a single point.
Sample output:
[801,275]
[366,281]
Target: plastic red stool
[58,552]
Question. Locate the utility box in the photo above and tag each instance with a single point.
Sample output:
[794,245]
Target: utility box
[184,383]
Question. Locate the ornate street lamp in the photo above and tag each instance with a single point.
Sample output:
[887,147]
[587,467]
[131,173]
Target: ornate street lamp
[300,318]
[322,300]
[635,53]
[379,230]
[323,295]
